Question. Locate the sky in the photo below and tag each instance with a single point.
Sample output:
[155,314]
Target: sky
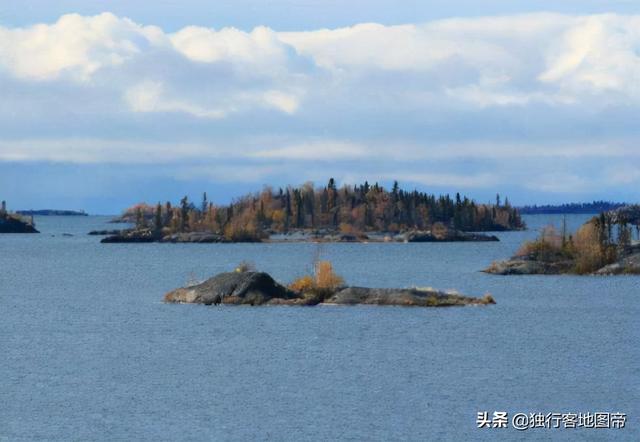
[108,103]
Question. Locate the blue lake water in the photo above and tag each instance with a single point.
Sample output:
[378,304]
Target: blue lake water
[89,351]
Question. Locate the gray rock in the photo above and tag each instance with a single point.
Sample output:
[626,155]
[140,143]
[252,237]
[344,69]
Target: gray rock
[406,297]
[252,288]
[518,266]
[197,237]
[450,236]
[132,236]
[628,265]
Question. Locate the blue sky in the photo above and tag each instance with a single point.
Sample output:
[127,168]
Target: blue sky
[153,100]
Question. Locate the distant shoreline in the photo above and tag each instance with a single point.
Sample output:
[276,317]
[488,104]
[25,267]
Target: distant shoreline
[571,208]
[52,212]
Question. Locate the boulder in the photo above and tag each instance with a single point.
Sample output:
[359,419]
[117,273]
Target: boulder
[252,288]
[197,237]
[518,266]
[134,236]
[629,265]
[104,232]
[449,236]
[405,297]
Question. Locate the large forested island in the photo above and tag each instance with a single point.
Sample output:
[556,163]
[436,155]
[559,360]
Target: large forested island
[604,245]
[592,207]
[349,213]
[13,223]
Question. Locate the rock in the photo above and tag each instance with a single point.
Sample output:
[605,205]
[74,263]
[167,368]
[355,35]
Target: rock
[406,297]
[450,236]
[14,224]
[629,265]
[257,288]
[104,232]
[198,237]
[519,266]
[132,236]
[148,235]
[523,266]
[252,288]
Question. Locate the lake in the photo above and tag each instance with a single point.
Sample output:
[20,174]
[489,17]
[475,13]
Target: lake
[89,351]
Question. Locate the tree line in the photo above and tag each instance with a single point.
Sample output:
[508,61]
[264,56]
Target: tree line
[592,207]
[349,209]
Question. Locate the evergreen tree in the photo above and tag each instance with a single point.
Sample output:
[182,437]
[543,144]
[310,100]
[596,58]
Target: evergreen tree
[158,224]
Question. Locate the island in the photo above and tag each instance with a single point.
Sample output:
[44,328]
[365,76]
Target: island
[604,245]
[52,212]
[14,223]
[568,208]
[250,287]
[360,213]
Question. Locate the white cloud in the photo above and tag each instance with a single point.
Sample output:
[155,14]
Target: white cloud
[448,102]
[148,96]
[74,45]
[259,47]
[596,54]
[488,61]
[325,150]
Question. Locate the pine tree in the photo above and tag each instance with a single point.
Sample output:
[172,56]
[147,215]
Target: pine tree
[205,203]
[158,218]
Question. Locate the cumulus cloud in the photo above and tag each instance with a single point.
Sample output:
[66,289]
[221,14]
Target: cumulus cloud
[500,61]
[450,102]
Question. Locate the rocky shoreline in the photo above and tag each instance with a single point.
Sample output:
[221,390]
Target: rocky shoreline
[629,264]
[14,224]
[149,235]
[259,288]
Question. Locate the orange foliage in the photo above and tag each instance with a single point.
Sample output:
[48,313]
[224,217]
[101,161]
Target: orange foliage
[303,284]
[326,277]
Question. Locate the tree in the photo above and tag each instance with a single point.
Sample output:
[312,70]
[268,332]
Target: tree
[140,224]
[184,213]
[158,218]
[205,203]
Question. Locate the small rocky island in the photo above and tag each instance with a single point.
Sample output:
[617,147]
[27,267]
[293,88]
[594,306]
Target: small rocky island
[604,245]
[258,288]
[364,213]
[13,223]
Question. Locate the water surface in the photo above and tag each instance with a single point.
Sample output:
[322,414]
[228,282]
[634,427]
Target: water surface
[90,353]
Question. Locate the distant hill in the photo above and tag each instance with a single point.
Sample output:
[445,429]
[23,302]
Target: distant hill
[593,207]
[52,212]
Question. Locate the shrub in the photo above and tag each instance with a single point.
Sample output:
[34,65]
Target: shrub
[326,278]
[325,281]
[592,252]
[303,284]
[548,247]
